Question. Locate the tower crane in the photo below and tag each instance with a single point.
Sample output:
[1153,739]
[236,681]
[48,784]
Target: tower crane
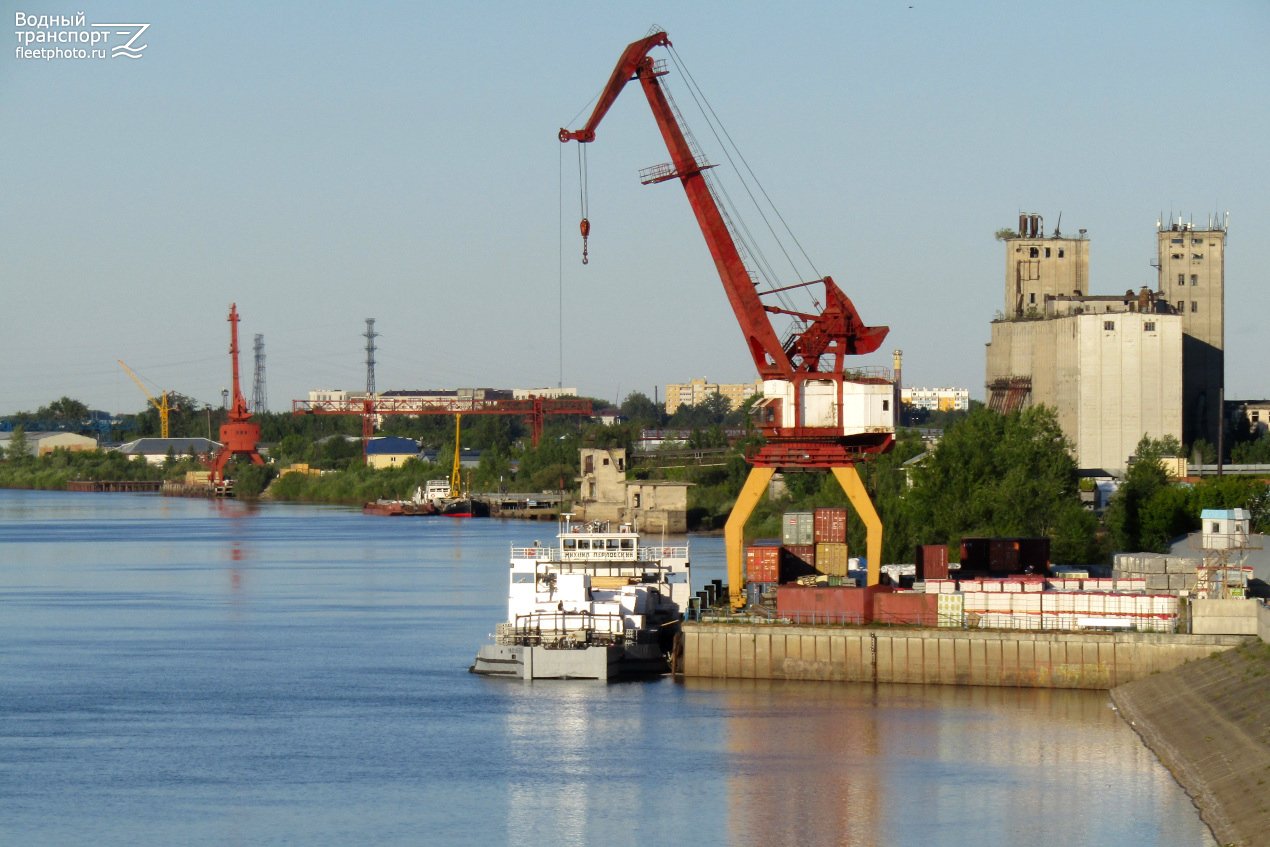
[162,405]
[815,413]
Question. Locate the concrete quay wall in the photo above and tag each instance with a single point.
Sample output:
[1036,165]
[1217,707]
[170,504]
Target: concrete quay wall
[951,657]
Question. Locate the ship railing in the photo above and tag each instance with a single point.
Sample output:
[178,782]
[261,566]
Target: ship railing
[571,629]
[641,554]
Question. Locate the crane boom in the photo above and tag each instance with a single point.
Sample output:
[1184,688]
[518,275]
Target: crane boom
[455,479]
[837,331]
[162,407]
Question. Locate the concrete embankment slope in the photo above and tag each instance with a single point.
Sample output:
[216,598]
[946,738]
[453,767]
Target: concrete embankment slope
[1208,721]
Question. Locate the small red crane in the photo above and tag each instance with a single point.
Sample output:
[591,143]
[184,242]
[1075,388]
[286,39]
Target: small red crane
[239,436]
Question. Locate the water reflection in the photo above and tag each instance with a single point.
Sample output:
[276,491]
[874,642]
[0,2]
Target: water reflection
[834,763]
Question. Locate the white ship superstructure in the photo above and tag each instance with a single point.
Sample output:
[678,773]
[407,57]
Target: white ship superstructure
[599,603]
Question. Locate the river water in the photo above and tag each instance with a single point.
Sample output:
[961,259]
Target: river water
[196,672]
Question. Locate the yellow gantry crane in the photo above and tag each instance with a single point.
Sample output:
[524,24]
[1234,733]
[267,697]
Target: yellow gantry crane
[162,406]
[455,480]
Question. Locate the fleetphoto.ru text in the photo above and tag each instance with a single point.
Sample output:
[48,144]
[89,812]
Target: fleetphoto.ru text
[50,37]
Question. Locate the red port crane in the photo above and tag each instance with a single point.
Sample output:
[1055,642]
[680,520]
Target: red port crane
[816,413]
[239,436]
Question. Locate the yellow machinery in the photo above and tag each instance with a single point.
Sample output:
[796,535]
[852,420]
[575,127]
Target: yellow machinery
[455,479]
[162,406]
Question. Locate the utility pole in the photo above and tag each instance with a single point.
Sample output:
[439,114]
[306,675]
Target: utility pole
[259,397]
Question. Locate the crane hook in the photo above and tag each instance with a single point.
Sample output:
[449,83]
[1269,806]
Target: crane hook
[585,226]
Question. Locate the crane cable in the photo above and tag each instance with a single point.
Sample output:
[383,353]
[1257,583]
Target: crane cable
[694,90]
[583,196]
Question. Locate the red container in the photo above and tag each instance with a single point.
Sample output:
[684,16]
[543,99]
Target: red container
[831,526]
[932,561]
[906,607]
[828,604]
[762,564]
[797,560]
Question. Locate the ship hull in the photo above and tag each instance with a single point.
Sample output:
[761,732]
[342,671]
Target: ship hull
[603,663]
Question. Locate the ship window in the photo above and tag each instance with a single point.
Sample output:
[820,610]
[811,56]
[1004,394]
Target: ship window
[521,578]
[1108,325]
[628,543]
[610,543]
[1194,306]
[571,544]
[1149,326]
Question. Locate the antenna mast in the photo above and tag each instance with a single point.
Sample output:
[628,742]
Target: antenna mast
[259,397]
[370,335]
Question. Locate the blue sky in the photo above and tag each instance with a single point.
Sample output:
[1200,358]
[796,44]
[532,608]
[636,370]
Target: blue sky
[322,163]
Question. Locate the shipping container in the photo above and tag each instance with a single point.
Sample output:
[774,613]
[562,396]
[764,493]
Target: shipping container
[1005,555]
[831,558]
[762,564]
[798,528]
[831,526]
[906,607]
[754,591]
[932,561]
[797,560]
[824,604]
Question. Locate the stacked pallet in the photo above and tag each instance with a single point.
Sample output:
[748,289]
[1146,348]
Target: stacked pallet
[1159,572]
[1060,610]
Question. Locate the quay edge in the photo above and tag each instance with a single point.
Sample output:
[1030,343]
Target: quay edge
[1028,659]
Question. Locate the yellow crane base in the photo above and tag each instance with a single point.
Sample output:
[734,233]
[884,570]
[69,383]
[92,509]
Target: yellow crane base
[756,485]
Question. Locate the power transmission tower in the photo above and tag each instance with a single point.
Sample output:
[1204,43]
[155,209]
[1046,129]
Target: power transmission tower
[259,397]
[370,335]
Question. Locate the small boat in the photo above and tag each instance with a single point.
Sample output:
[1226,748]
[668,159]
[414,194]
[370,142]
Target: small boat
[600,604]
[446,500]
[416,506]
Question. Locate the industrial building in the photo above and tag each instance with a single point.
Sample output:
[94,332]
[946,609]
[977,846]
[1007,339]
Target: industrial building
[1114,367]
[605,494]
[40,443]
[696,391]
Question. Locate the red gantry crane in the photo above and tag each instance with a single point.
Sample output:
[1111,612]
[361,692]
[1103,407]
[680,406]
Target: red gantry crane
[533,409]
[816,413]
[239,436]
